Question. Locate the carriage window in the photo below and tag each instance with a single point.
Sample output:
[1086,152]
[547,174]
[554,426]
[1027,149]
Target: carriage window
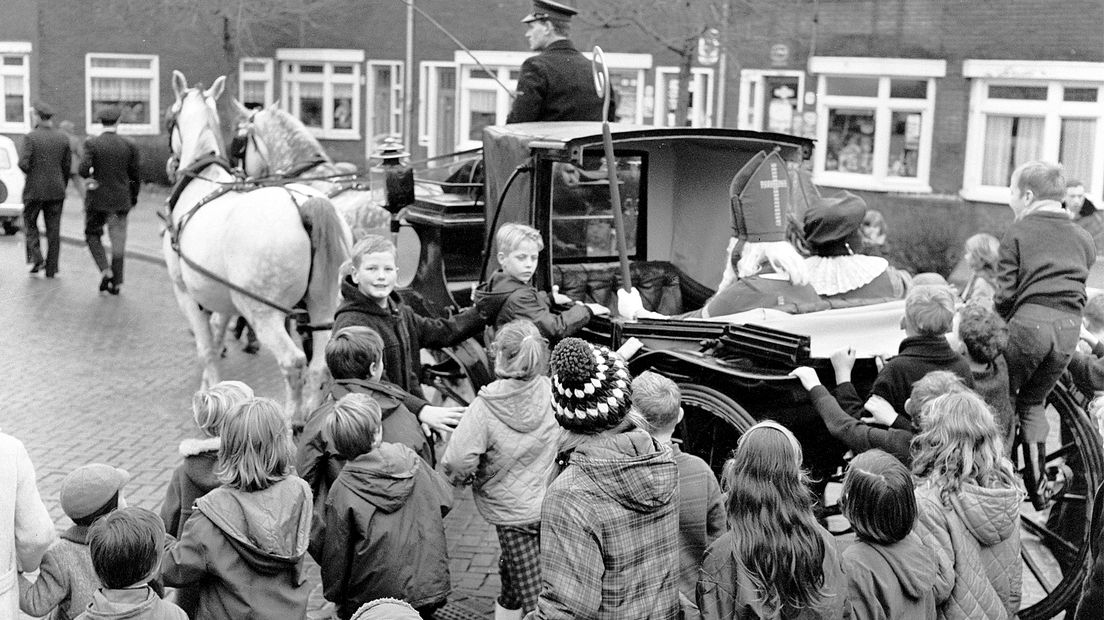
[324,94]
[14,78]
[582,217]
[128,82]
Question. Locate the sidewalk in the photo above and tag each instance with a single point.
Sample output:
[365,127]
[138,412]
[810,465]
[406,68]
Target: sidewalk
[143,225]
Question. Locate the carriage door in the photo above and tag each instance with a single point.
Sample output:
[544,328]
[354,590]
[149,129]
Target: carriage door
[771,100]
[385,102]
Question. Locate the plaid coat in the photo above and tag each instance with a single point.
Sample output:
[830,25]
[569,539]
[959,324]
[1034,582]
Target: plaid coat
[610,533]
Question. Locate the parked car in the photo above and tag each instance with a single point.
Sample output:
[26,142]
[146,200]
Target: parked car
[11,187]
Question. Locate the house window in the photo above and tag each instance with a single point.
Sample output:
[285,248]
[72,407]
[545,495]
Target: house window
[437,112]
[700,111]
[15,75]
[875,118]
[255,82]
[322,88]
[771,100]
[1022,111]
[128,82]
[385,101]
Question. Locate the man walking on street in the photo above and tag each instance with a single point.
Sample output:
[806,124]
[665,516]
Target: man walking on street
[112,162]
[557,84]
[45,161]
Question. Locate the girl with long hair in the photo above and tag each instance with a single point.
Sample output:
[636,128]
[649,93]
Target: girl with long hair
[968,500]
[776,561]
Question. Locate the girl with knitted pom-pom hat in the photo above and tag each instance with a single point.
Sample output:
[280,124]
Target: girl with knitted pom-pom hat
[609,522]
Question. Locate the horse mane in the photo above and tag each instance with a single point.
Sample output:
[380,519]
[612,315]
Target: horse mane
[288,140]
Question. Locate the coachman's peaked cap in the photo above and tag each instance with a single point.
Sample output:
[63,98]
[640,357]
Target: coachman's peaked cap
[760,194]
[833,225]
[44,109]
[109,115]
[551,10]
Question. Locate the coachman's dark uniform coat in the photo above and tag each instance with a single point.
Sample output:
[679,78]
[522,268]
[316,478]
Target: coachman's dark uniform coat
[557,85]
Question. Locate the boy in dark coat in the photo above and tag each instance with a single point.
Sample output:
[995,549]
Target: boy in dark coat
[507,295]
[369,300]
[382,531]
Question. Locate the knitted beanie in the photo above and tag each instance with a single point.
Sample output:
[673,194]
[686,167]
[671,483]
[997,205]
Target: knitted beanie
[591,387]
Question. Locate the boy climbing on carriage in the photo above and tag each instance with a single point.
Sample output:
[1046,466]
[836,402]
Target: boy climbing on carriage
[508,295]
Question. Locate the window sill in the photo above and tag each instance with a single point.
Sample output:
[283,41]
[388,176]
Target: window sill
[335,134]
[18,128]
[127,130]
[870,183]
[985,193]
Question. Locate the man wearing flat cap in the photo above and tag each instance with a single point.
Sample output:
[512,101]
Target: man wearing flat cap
[556,84]
[112,162]
[45,161]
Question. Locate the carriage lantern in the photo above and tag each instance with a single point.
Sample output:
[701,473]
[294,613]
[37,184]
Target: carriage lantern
[392,180]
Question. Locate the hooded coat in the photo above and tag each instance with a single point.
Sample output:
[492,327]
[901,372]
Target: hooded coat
[507,439]
[504,298]
[976,538]
[404,332]
[725,592]
[900,580]
[609,533]
[382,532]
[245,552]
[128,604]
[194,478]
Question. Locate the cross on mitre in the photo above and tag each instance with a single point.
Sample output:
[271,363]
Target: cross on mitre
[760,194]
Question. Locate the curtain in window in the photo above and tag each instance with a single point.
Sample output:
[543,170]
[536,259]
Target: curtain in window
[1076,149]
[13,99]
[1009,142]
[310,104]
[120,89]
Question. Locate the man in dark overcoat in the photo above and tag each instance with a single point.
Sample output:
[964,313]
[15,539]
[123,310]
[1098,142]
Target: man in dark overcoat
[45,161]
[111,161]
[557,84]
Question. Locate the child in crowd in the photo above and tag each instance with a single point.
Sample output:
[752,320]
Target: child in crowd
[1086,366]
[968,499]
[609,520]
[386,609]
[982,253]
[873,233]
[508,295]
[126,548]
[929,315]
[701,505]
[985,337]
[1044,261]
[890,572]
[196,477]
[381,532]
[776,561]
[67,579]
[370,301]
[846,426]
[355,357]
[245,545]
[505,445]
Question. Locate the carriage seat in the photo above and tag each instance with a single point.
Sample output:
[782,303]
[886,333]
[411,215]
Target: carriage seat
[663,287]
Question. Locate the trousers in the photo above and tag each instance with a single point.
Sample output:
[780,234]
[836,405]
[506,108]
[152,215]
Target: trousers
[51,213]
[1041,341]
[116,222]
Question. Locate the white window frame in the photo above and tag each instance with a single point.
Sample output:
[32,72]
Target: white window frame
[752,99]
[698,75]
[23,50]
[1052,75]
[265,75]
[883,106]
[429,86]
[397,111]
[152,73]
[328,58]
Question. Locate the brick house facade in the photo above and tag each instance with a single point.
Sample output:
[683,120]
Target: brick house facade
[916,104]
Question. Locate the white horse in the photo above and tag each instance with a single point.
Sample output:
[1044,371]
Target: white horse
[279,144]
[232,251]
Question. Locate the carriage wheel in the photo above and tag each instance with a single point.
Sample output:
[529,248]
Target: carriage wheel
[711,425]
[1059,537]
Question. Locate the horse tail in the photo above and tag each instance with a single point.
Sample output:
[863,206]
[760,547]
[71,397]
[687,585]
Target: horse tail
[330,249]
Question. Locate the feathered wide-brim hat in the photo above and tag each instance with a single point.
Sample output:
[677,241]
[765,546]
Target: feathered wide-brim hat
[591,387]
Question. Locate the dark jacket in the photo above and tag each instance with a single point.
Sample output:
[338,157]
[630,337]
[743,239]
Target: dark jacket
[404,332]
[503,298]
[557,85]
[608,523]
[898,580]
[1044,260]
[318,461]
[128,604]
[113,161]
[245,552]
[45,161]
[855,434]
[193,479]
[725,592]
[702,517]
[382,533]
[916,357]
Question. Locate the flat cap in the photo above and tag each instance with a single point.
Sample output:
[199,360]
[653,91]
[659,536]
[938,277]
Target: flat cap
[833,224]
[88,488]
[551,10]
[44,109]
[109,115]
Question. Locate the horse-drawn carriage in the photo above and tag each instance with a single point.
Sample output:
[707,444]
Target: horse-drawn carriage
[733,371]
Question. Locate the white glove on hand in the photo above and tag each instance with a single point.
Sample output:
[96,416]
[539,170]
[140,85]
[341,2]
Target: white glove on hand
[629,304]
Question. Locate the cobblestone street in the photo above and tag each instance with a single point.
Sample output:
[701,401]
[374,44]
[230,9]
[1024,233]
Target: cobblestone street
[94,378]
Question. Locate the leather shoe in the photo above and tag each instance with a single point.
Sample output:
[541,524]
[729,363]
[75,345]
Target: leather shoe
[113,288]
[105,283]
[38,266]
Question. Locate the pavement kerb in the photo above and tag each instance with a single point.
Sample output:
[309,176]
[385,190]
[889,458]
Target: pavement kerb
[156,259]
